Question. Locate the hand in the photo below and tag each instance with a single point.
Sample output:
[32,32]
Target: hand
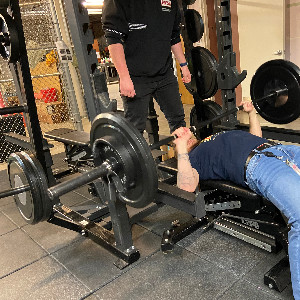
[127,87]
[248,106]
[183,134]
[186,75]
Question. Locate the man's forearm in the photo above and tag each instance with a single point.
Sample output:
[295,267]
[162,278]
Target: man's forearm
[178,53]
[254,125]
[187,177]
[117,55]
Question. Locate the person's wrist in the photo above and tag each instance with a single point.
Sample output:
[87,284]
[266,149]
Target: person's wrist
[184,64]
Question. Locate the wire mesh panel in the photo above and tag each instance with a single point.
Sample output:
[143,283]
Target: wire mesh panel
[49,85]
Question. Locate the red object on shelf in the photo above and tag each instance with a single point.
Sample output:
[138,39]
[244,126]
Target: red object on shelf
[49,95]
[1,101]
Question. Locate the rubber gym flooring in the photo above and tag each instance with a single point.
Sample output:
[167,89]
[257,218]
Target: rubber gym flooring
[45,261]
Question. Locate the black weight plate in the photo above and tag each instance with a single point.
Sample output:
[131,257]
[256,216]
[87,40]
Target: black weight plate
[4,4]
[209,110]
[194,25]
[47,205]
[24,169]
[9,39]
[113,138]
[272,76]
[205,72]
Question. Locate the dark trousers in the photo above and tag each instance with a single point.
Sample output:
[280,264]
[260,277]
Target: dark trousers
[166,94]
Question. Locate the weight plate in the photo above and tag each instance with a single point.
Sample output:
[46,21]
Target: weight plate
[209,110]
[205,72]
[9,39]
[194,25]
[116,140]
[272,76]
[25,169]
[4,4]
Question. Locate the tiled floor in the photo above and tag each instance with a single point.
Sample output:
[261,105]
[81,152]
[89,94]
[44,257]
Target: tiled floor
[45,261]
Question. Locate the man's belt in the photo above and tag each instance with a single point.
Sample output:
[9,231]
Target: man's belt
[257,150]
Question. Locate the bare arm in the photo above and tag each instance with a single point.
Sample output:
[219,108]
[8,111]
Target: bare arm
[187,176]
[179,55]
[118,57]
[254,125]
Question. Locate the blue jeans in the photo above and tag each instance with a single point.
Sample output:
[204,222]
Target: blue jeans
[280,184]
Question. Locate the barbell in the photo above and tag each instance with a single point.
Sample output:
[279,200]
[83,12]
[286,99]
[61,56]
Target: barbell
[120,155]
[275,93]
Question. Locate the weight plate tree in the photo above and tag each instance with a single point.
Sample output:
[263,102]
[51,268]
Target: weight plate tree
[205,69]
[24,170]
[115,140]
[271,78]
[210,109]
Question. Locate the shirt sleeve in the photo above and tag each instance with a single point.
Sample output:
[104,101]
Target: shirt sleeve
[114,21]
[175,38]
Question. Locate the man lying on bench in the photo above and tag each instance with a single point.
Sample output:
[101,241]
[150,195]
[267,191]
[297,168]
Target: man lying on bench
[269,169]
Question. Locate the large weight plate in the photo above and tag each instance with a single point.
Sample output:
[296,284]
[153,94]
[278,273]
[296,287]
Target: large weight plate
[205,72]
[194,25]
[9,39]
[272,76]
[209,110]
[25,169]
[114,139]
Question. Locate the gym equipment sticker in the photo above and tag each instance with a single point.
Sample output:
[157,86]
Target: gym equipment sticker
[166,5]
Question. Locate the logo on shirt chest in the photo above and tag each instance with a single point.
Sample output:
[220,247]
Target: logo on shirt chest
[166,5]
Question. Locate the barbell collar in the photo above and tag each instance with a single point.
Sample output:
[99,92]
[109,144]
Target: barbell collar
[15,191]
[71,184]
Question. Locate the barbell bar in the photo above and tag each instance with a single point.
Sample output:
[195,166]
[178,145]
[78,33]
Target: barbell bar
[216,118]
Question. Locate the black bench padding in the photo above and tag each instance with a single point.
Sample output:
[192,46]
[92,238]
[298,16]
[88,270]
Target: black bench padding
[230,187]
[69,136]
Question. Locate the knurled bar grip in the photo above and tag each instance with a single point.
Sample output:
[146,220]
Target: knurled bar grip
[71,184]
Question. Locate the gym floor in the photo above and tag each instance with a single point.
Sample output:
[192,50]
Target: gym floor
[45,261]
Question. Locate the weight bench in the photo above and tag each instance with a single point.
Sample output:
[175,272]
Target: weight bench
[233,209]
[76,143]
[240,212]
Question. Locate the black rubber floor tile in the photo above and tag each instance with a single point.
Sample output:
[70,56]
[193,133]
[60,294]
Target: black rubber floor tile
[180,275]
[243,290]
[12,212]
[6,225]
[256,275]
[51,237]
[94,265]
[45,279]
[162,220]
[224,250]
[17,250]
[5,201]
[72,198]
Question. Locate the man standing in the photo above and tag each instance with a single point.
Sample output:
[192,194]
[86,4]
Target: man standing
[141,35]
